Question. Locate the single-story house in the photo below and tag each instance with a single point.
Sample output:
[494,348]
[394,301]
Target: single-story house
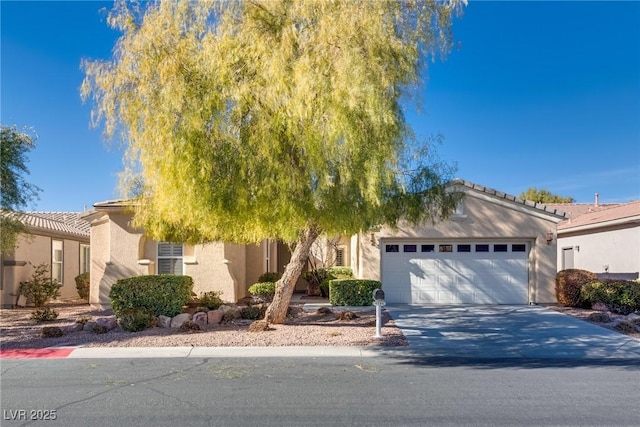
[496,249]
[59,239]
[122,250]
[603,239]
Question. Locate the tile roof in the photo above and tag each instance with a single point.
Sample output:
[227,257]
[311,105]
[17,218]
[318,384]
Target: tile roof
[490,191]
[62,222]
[628,211]
[573,210]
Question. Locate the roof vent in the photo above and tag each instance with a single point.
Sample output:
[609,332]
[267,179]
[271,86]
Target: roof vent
[597,200]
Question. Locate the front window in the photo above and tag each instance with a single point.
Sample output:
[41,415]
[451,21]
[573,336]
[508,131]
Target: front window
[56,260]
[170,258]
[85,259]
[340,257]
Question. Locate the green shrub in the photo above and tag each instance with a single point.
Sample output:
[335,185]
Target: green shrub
[83,285]
[41,288]
[135,319]
[353,292]
[46,314]
[164,294]
[568,286]
[269,277]
[51,332]
[341,272]
[621,296]
[83,320]
[264,290]
[321,277]
[253,312]
[211,300]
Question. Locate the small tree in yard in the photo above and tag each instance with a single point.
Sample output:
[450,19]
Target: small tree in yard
[15,192]
[272,119]
[41,288]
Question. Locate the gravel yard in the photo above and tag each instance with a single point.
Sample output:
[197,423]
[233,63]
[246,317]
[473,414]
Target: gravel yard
[300,329]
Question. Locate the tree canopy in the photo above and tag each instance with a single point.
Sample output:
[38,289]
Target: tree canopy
[272,119]
[544,196]
[16,193]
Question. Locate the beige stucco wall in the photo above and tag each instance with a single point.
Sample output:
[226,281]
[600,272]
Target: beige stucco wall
[617,247]
[35,249]
[120,251]
[484,218]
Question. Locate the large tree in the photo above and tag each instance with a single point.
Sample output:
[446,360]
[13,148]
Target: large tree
[15,192]
[544,196]
[272,119]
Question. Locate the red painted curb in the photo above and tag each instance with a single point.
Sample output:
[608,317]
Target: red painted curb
[36,353]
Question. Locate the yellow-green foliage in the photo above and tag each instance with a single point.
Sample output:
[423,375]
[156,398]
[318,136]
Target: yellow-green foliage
[248,120]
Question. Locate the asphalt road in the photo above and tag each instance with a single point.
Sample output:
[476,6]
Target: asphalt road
[344,391]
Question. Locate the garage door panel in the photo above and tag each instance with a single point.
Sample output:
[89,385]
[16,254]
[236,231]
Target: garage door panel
[456,278]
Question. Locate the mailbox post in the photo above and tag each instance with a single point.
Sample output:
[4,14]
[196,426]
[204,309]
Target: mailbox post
[378,301]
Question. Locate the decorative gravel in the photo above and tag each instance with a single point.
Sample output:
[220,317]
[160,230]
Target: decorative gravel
[301,329]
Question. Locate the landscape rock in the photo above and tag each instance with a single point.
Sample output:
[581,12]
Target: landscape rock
[89,326]
[76,327]
[109,323]
[214,317]
[600,306]
[178,320]
[200,319]
[634,318]
[599,317]
[164,321]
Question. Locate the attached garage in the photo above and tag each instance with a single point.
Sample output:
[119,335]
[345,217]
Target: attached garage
[495,249]
[424,272]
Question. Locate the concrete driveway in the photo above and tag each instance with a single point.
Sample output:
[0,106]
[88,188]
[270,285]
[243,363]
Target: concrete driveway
[505,331]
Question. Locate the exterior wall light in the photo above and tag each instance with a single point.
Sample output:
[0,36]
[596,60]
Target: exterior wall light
[549,237]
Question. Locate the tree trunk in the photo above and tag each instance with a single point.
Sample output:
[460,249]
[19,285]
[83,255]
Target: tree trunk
[277,310]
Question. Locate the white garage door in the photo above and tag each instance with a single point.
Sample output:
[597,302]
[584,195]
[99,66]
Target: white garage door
[455,273]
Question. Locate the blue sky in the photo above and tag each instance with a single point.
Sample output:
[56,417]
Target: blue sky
[543,94]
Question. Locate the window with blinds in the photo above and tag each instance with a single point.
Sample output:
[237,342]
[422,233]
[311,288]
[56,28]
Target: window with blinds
[57,260]
[170,258]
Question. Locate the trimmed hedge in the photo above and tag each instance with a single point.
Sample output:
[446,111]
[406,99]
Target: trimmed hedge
[163,294]
[568,285]
[353,292]
[621,296]
[269,276]
[264,290]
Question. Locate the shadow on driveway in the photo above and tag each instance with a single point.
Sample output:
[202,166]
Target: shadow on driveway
[499,336]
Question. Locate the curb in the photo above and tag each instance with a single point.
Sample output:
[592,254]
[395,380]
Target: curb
[197,352]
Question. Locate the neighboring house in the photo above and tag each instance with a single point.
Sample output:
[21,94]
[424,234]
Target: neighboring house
[59,239]
[603,239]
[496,249]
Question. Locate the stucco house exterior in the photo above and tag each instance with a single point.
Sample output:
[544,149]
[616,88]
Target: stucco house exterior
[495,249]
[123,251]
[603,239]
[59,239]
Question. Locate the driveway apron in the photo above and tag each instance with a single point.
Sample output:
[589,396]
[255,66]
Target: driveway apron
[507,331]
